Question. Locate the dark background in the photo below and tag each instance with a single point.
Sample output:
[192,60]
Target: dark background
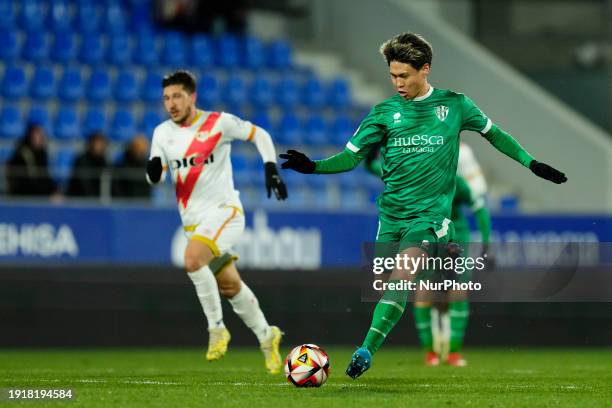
[143,306]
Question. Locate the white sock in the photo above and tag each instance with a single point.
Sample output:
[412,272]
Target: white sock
[246,306]
[208,293]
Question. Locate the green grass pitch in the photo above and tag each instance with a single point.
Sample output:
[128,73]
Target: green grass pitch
[181,378]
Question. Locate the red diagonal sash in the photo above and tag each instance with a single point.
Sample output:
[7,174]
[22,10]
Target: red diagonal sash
[202,148]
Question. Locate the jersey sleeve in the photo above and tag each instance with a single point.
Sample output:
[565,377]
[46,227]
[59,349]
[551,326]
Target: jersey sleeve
[157,149]
[234,128]
[472,117]
[368,135]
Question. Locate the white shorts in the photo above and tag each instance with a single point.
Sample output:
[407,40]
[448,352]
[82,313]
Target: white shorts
[220,229]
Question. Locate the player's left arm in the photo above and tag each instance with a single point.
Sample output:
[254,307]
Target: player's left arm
[474,119]
[236,128]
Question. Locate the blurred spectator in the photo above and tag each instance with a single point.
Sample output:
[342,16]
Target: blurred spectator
[193,16]
[128,174]
[89,168]
[27,170]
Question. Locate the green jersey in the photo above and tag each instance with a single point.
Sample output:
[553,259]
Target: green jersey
[419,146]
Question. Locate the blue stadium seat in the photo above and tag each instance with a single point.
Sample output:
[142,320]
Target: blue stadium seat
[348,180]
[174,49]
[355,199]
[151,88]
[341,130]
[209,92]
[241,170]
[94,121]
[92,49]
[119,50]
[290,130]
[71,85]
[149,122]
[99,88]
[141,12]
[228,54]
[313,93]
[8,15]
[126,87]
[62,163]
[115,19]
[294,180]
[64,47]
[5,154]
[262,119]
[201,54]
[11,123]
[40,116]
[235,90]
[14,82]
[279,55]
[254,53]
[287,92]
[67,124]
[261,92]
[88,18]
[146,49]
[10,45]
[315,131]
[59,18]
[122,127]
[36,47]
[339,95]
[32,15]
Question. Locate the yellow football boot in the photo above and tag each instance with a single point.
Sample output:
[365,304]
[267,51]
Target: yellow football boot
[218,339]
[270,350]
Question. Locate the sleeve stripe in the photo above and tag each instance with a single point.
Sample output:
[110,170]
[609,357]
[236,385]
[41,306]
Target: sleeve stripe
[253,129]
[352,147]
[487,127]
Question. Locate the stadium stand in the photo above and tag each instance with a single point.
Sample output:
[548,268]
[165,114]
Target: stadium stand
[81,66]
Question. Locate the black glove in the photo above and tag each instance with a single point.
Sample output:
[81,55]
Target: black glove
[274,182]
[154,169]
[546,172]
[297,161]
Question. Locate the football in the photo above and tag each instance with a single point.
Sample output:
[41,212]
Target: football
[307,366]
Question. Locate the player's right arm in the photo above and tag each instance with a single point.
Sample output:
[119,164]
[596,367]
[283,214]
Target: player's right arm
[368,135]
[157,165]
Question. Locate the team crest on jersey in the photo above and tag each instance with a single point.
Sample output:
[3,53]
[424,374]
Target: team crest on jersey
[441,112]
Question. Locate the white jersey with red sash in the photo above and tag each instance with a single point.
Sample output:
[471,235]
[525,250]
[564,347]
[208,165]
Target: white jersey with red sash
[198,157]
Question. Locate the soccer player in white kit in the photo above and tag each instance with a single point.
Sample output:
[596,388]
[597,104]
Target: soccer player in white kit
[195,146]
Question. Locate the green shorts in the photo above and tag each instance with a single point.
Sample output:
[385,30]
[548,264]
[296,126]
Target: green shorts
[429,234]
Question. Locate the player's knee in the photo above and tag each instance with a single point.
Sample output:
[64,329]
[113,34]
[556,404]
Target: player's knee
[229,288]
[193,262]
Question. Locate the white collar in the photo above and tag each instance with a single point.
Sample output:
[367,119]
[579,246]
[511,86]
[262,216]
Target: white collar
[427,95]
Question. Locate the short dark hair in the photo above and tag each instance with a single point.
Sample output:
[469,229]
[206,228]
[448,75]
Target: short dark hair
[409,48]
[181,77]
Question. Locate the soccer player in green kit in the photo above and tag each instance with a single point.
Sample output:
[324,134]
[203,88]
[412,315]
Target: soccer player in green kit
[441,325]
[418,132]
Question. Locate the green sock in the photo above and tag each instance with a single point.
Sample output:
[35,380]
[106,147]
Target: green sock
[387,313]
[458,312]
[422,321]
